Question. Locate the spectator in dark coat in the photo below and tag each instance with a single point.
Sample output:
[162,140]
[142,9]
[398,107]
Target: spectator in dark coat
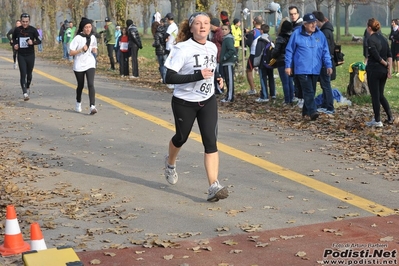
[134,45]
[160,47]
[278,53]
[325,80]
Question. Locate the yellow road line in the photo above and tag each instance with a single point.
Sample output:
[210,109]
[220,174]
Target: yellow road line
[324,188]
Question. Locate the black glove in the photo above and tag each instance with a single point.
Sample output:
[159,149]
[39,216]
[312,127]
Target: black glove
[141,47]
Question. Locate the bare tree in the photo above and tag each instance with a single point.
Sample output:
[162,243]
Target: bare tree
[318,4]
[330,9]
[337,22]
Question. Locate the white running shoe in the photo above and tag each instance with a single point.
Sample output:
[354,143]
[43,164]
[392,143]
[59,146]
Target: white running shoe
[373,123]
[225,101]
[217,192]
[26,97]
[251,92]
[260,100]
[93,109]
[170,172]
[300,103]
[78,107]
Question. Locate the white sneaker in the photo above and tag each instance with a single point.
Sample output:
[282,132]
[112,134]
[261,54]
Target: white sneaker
[217,192]
[170,172]
[321,110]
[15,66]
[26,97]
[260,100]
[251,92]
[300,103]
[373,123]
[225,101]
[133,77]
[295,99]
[78,107]
[93,110]
[170,86]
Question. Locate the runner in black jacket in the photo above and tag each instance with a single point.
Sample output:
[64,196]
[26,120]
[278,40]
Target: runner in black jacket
[24,39]
[9,36]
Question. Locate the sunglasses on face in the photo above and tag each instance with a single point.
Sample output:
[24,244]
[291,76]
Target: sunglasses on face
[25,15]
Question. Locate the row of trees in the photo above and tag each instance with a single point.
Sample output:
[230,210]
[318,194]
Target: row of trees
[119,10]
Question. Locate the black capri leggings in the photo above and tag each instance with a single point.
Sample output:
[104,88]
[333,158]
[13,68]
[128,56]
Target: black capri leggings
[26,64]
[207,118]
[80,78]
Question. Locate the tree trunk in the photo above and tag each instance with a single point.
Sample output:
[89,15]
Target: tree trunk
[337,22]
[146,15]
[347,19]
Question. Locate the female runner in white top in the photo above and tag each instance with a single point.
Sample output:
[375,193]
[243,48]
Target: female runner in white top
[84,48]
[191,67]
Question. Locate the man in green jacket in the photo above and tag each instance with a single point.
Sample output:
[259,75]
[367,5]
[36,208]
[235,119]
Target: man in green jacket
[110,41]
[68,37]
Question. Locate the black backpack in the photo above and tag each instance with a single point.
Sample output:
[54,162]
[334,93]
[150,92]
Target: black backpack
[338,55]
[267,60]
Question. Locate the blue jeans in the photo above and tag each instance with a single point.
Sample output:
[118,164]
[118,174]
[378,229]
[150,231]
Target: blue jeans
[288,85]
[65,50]
[325,84]
[266,74]
[308,85]
[162,68]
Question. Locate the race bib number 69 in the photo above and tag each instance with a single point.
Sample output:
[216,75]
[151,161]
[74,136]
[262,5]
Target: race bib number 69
[203,87]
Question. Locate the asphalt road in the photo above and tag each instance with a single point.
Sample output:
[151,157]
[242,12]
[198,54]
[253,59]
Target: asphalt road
[106,170]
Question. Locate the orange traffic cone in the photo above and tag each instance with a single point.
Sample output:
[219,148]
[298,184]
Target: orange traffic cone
[36,238]
[13,241]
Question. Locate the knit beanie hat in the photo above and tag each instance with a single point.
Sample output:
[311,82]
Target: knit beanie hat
[83,23]
[129,22]
[286,26]
[215,22]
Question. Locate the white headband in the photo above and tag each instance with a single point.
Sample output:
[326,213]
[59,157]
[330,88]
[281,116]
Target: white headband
[193,16]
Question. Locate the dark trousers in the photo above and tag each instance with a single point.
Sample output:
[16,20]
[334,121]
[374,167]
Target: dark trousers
[26,64]
[80,78]
[325,84]
[308,86]
[135,62]
[266,75]
[124,63]
[376,82]
[117,53]
[110,50]
[14,55]
[228,75]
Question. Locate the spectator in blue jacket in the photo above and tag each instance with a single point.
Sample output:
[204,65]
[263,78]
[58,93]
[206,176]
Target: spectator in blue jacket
[307,50]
